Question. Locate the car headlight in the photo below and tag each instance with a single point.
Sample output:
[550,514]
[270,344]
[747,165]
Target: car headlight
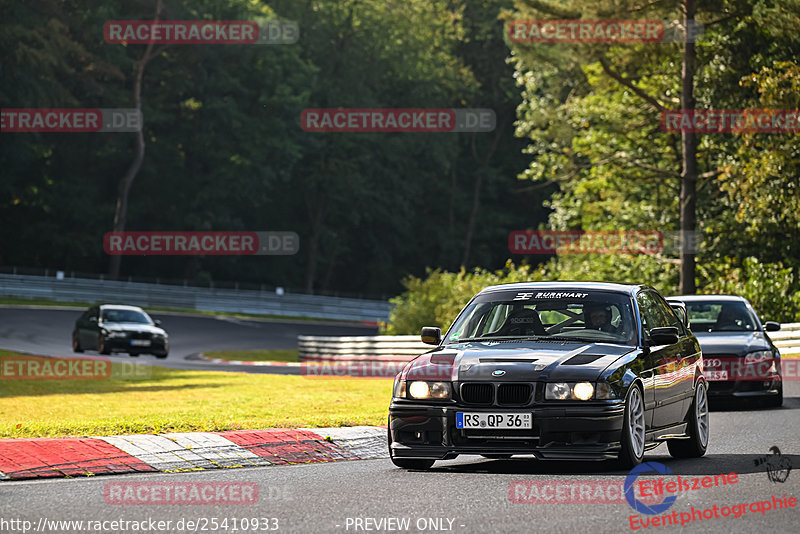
[399,388]
[420,389]
[114,333]
[557,391]
[583,391]
[578,391]
[603,391]
[757,357]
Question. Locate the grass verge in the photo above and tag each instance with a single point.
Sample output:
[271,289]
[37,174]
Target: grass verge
[185,401]
[276,355]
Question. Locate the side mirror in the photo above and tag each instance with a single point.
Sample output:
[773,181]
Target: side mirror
[431,335]
[157,322]
[772,326]
[666,335]
[680,309]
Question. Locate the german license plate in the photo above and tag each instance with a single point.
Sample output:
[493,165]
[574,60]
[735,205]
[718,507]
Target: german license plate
[497,421]
[715,375]
[140,342]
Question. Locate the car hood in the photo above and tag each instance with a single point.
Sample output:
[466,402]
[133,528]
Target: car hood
[134,327]
[516,361]
[732,343]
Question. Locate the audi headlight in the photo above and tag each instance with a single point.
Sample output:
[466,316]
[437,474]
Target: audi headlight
[757,357]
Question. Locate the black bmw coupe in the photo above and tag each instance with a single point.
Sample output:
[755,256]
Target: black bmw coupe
[557,370]
[111,328]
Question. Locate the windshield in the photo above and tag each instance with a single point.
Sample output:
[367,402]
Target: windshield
[125,316]
[573,315]
[720,316]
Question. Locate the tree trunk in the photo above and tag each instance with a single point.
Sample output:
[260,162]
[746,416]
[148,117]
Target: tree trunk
[482,165]
[688,199]
[124,187]
[317,210]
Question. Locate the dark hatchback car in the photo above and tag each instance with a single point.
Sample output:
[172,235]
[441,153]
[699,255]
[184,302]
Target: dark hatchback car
[740,359]
[114,328]
[563,371]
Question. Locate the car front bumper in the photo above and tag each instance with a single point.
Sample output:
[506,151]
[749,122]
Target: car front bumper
[571,432]
[731,389]
[123,344]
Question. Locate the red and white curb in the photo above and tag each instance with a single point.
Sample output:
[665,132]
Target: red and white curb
[240,362]
[364,442]
[190,451]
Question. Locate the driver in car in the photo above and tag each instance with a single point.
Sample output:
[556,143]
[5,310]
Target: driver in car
[598,317]
[729,319]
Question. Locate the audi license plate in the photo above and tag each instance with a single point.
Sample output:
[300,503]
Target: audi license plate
[496,421]
[140,342]
[715,375]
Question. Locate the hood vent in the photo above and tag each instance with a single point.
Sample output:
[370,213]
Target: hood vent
[582,359]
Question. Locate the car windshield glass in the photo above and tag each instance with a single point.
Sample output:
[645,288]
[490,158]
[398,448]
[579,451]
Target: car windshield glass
[568,315]
[125,316]
[720,316]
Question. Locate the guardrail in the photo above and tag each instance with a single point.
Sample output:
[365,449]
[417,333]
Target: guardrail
[787,339]
[360,348]
[193,298]
[405,348]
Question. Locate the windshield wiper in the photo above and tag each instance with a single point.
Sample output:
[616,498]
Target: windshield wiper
[568,338]
[501,338]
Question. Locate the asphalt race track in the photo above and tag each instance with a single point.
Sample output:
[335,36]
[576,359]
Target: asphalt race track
[467,495]
[47,332]
[471,492]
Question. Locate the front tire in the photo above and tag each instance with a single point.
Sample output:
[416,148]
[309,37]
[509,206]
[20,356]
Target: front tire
[633,429]
[696,445]
[76,343]
[102,348]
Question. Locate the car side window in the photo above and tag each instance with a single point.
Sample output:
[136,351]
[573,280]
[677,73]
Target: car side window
[672,315]
[652,312]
